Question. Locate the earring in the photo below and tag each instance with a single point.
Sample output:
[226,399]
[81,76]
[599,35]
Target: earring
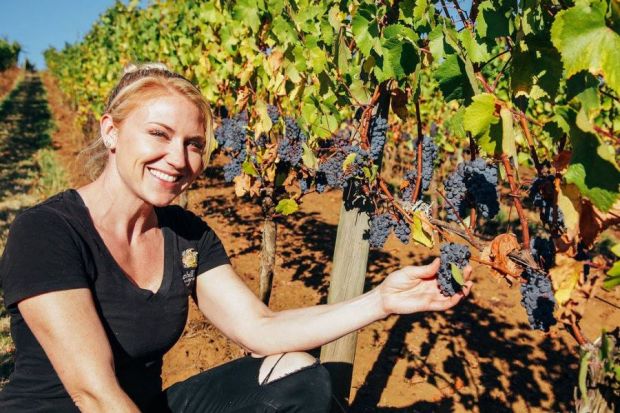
[108,140]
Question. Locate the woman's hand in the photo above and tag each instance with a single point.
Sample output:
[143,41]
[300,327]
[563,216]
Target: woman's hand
[413,289]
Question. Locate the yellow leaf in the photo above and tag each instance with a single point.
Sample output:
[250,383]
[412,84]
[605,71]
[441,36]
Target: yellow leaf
[419,233]
[242,184]
[568,201]
[565,276]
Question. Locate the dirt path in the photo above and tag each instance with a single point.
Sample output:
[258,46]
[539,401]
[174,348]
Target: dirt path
[25,122]
[479,357]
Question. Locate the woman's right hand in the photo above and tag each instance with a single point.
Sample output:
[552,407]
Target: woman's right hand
[413,289]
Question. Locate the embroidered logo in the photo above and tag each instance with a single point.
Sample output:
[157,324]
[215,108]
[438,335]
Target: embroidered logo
[189,258]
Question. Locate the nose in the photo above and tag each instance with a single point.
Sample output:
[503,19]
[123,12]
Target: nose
[176,155]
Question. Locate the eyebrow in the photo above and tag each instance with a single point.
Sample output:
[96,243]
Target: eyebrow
[171,130]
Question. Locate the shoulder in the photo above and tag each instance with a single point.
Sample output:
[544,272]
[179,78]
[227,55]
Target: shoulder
[52,214]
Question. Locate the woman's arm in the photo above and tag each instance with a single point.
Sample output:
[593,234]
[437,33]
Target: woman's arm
[68,328]
[233,308]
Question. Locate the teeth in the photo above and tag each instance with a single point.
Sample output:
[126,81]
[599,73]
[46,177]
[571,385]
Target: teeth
[163,176]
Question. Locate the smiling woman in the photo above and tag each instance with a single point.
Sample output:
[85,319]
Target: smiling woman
[97,281]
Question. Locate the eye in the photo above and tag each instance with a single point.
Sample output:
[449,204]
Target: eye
[159,133]
[196,144]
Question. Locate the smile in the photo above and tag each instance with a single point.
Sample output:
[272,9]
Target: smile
[164,176]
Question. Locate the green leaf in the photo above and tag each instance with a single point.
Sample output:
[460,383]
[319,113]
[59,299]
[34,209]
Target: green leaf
[360,92]
[308,157]
[318,59]
[248,168]
[613,276]
[452,79]
[536,69]
[583,374]
[586,43]
[365,28]
[476,52]
[592,167]
[480,114]
[283,30]
[494,18]
[616,250]
[246,12]
[287,206]
[457,274]
[419,234]
[348,161]
[399,59]
[508,137]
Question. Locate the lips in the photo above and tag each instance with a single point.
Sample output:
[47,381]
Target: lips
[164,176]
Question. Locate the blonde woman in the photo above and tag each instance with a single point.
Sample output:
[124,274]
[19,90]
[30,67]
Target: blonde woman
[96,281]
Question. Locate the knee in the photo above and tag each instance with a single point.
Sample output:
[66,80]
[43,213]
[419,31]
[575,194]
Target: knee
[300,380]
[280,365]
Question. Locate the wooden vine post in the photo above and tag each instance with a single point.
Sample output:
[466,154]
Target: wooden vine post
[349,272]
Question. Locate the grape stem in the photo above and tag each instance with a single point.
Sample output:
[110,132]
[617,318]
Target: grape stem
[496,268]
[517,201]
[577,333]
[418,180]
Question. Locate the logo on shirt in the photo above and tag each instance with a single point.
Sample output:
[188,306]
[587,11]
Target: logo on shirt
[189,258]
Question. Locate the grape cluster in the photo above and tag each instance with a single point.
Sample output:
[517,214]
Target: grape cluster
[402,230]
[451,253]
[378,129]
[232,133]
[380,227]
[472,185]
[362,157]
[290,146]
[304,184]
[538,300]
[429,155]
[234,166]
[541,195]
[330,172]
[481,181]
[273,113]
[543,251]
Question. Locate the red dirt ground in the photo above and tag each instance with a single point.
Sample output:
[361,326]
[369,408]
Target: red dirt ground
[7,80]
[480,356]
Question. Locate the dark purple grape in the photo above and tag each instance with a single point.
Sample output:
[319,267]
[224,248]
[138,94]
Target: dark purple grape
[538,300]
[451,253]
[543,251]
[290,147]
[378,129]
[402,230]
[380,227]
[542,194]
[472,185]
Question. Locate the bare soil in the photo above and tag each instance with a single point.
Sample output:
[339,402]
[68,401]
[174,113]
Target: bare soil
[8,79]
[480,356]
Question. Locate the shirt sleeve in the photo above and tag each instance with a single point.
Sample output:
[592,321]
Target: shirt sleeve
[211,252]
[41,255]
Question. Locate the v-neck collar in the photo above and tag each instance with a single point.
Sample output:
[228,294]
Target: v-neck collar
[166,276]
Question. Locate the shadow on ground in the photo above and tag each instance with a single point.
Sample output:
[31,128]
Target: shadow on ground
[25,123]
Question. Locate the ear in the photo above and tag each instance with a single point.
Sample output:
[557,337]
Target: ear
[109,132]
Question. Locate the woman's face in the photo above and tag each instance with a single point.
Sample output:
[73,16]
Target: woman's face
[159,147]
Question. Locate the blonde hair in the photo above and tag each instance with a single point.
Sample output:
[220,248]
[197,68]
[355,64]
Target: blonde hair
[139,83]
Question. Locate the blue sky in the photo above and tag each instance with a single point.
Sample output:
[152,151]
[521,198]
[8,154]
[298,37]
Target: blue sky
[38,24]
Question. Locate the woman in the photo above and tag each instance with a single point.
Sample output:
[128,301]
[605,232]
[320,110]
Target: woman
[96,281]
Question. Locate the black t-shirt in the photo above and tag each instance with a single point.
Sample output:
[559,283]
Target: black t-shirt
[55,246]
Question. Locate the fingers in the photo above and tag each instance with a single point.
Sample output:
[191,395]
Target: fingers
[422,271]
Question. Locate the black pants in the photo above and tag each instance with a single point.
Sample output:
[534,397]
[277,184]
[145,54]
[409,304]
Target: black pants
[233,387]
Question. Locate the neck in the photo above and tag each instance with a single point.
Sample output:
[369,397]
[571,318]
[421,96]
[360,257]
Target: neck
[115,209]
